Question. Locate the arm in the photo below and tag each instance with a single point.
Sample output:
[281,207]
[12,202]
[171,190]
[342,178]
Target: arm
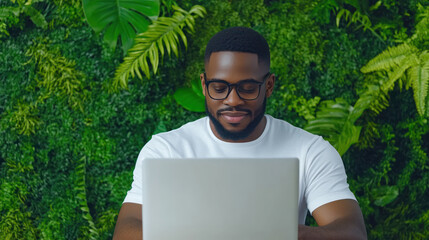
[340,219]
[129,223]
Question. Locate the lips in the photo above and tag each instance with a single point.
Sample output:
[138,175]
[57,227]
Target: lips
[233,116]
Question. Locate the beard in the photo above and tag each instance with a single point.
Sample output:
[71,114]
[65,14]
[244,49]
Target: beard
[240,135]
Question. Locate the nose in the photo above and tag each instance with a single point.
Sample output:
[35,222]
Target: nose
[233,99]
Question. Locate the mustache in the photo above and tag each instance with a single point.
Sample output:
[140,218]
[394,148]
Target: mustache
[233,109]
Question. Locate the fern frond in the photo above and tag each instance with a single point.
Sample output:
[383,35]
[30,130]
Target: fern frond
[390,58]
[329,115]
[427,106]
[25,118]
[398,72]
[162,35]
[422,25]
[379,99]
[374,99]
[334,122]
[340,14]
[80,190]
[405,64]
[419,78]
[370,131]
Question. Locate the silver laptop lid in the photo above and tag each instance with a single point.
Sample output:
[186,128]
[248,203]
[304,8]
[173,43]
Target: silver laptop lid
[227,199]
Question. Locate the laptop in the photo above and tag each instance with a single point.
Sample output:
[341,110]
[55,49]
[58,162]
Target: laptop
[228,199]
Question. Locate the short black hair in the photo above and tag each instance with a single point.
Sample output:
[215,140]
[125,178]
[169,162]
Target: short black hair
[239,39]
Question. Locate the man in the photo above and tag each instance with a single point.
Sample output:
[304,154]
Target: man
[236,85]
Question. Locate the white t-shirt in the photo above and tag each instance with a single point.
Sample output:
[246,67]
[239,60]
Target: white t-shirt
[322,178]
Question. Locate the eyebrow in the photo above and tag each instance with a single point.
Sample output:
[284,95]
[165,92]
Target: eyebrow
[243,80]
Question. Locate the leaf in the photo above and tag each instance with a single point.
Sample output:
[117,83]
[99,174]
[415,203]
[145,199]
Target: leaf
[349,136]
[375,6]
[354,3]
[398,72]
[160,127]
[190,99]
[427,106]
[390,58]
[339,15]
[321,11]
[401,63]
[124,18]
[7,11]
[335,121]
[374,99]
[197,88]
[162,34]
[419,78]
[35,16]
[385,195]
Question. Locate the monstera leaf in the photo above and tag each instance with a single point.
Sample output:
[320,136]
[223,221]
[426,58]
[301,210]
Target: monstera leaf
[124,18]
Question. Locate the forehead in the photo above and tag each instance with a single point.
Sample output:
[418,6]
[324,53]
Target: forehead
[232,66]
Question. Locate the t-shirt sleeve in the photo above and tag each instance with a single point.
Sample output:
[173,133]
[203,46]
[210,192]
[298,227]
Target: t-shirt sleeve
[155,148]
[326,176]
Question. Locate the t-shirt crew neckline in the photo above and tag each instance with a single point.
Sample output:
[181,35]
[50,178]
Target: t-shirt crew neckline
[241,144]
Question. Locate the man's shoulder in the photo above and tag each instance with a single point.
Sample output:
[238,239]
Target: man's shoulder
[283,133]
[281,126]
[173,141]
[189,128]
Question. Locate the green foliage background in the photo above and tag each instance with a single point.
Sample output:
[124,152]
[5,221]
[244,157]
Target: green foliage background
[68,144]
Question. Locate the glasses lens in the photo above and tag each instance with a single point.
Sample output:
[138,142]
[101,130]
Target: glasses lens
[218,90]
[248,90]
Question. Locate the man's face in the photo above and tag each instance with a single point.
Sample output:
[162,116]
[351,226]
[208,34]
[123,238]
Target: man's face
[235,119]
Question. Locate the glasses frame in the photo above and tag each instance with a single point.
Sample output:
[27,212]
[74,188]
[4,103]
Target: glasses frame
[230,86]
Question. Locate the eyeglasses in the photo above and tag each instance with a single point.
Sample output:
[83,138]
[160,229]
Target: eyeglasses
[246,89]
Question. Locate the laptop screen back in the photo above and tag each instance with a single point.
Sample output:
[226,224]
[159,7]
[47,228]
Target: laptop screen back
[225,199]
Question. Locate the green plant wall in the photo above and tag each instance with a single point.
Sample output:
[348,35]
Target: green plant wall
[68,143]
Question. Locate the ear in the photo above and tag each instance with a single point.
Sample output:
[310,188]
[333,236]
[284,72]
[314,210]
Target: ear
[270,82]
[203,84]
